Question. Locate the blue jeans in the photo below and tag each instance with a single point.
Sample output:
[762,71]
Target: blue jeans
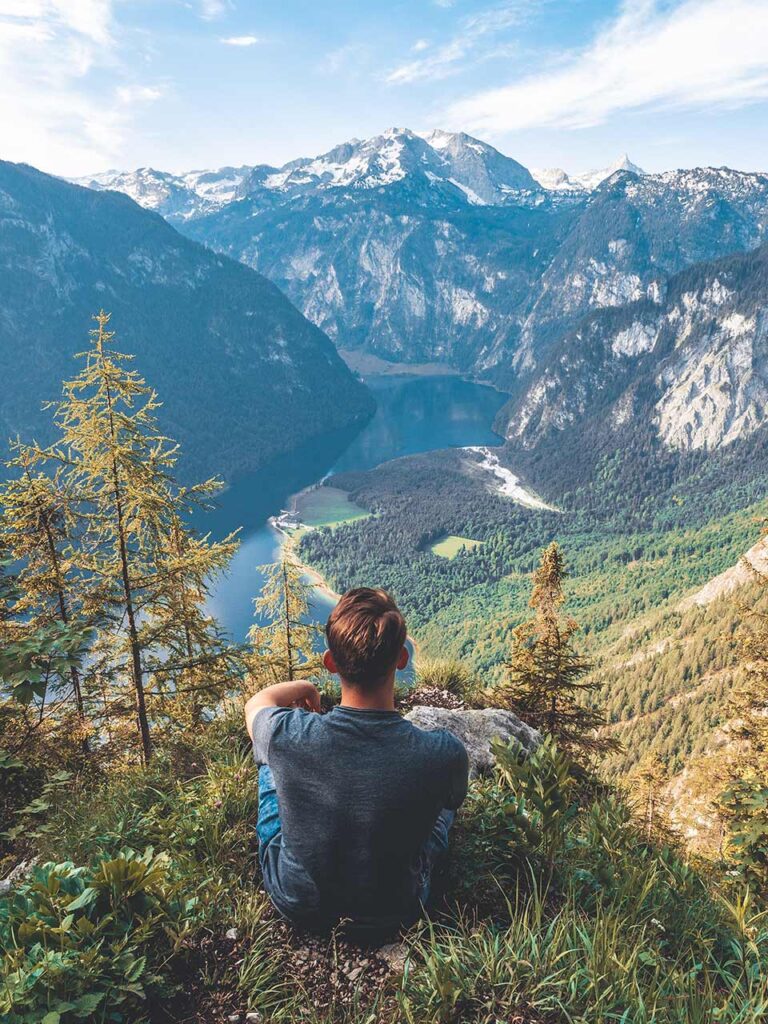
[268,828]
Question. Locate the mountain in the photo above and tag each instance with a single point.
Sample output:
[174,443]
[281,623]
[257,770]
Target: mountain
[438,248]
[557,180]
[174,196]
[629,239]
[693,363]
[242,374]
[417,248]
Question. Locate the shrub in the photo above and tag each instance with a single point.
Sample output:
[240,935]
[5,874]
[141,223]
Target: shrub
[79,943]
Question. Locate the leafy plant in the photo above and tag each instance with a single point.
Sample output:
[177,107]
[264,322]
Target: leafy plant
[541,788]
[78,943]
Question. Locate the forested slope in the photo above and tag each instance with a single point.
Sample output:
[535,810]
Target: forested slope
[244,376]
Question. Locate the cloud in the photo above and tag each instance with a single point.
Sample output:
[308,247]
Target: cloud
[47,49]
[352,58]
[420,45]
[474,41]
[210,10]
[239,40]
[130,94]
[696,55]
[62,105]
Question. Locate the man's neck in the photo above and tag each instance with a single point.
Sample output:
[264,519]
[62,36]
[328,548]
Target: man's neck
[382,698]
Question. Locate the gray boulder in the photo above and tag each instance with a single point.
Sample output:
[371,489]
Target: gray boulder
[476,729]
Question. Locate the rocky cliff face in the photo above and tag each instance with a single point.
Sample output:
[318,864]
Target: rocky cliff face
[695,363]
[440,248]
[242,374]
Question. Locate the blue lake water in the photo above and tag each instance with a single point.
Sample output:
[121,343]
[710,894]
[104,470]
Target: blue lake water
[414,414]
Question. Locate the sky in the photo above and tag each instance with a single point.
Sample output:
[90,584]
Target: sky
[87,85]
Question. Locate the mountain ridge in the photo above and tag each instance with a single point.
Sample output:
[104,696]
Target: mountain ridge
[207,331]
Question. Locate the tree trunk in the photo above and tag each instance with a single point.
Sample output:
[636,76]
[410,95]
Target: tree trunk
[133,635]
[288,639]
[74,674]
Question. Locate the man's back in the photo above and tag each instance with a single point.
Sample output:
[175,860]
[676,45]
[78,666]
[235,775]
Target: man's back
[359,793]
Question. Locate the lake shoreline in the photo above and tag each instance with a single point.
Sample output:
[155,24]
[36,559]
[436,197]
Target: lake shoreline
[289,543]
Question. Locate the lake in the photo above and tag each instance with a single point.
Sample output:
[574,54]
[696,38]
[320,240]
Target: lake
[414,414]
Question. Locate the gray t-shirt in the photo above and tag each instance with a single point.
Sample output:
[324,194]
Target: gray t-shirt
[359,793]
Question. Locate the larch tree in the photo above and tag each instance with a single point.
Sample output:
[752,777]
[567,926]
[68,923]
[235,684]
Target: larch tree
[37,517]
[282,639]
[135,549]
[545,680]
[193,663]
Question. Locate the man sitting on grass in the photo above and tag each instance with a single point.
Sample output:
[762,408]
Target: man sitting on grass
[354,806]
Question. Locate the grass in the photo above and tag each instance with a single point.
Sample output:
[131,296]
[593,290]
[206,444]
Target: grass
[328,506]
[450,545]
[549,917]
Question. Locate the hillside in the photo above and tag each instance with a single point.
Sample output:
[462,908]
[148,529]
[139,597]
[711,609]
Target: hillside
[243,375]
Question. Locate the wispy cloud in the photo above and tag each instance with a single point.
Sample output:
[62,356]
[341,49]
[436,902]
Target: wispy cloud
[698,54]
[350,58]
[239,40]
[131,94]
[53,114]
[210,10]
[47,49]
[476,39]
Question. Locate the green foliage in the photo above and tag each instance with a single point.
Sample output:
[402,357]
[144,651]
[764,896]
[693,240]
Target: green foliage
[447,674]
[284,646]
[745,804]
[82,943]
[544,682]
[540,801]
[641,530]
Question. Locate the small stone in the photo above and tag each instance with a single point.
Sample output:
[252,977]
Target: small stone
[394,955]
[231,933]
[355,973]
[253,1017]
[234,1018]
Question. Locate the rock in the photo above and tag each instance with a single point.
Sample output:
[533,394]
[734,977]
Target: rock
[355,973]
[22,868]
[394,955]
[253,1017]
[231,933]
[476,729]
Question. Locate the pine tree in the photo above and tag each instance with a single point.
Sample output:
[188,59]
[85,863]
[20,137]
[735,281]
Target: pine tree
[35,529]
[744,801]
[142,563]
[647,796]
[285,646]
[545,682]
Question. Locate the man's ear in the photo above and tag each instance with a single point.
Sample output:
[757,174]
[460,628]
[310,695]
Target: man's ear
[404,658]
[329,663]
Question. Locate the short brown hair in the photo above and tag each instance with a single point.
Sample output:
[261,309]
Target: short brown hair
[365,632]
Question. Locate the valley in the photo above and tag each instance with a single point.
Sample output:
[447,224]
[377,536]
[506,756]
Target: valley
[551,356]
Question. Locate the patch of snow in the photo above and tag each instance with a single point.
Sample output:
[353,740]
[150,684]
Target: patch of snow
[509,485]
[473,197]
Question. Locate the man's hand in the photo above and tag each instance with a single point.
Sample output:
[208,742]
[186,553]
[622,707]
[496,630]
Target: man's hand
[299,693]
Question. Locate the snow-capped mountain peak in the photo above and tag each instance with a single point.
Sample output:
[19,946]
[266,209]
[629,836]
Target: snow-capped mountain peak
[465,168]
[557,180]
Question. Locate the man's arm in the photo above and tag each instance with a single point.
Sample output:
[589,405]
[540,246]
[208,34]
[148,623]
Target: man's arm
[299,693]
